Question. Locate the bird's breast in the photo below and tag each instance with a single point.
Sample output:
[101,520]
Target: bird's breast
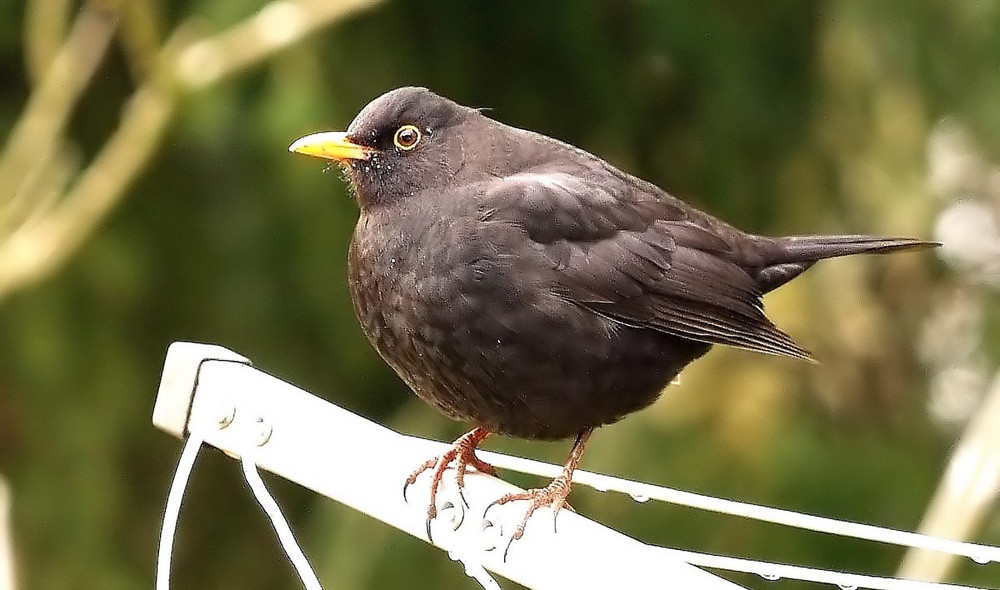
[468,313]
[418,287]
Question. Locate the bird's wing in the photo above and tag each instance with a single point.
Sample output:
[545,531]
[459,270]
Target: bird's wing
[641,258]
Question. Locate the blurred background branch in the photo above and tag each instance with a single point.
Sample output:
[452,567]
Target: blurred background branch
[278,25]
[39,131]
[46,212]
[966,495]
[7,573]
[45,25]
[965,380]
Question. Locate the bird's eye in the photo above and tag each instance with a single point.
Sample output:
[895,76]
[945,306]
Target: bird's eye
[407,137]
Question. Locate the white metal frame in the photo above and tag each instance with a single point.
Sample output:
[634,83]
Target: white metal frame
[216,396]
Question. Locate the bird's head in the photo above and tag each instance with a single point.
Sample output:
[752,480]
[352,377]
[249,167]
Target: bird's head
[403,142]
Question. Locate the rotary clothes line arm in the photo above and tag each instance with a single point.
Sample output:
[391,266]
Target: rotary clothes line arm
[216,394]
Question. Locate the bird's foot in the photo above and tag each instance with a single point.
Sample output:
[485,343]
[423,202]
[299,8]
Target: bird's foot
[463,454]
[553,495]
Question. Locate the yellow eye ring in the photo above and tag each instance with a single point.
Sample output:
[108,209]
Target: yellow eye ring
[407,137]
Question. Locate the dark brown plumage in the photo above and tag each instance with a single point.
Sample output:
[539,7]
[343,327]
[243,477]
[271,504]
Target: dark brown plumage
[532,289]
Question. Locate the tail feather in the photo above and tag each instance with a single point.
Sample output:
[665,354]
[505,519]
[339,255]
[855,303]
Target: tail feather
[795,254]
[813,248]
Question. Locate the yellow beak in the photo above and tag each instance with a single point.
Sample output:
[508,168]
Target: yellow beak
[332,145]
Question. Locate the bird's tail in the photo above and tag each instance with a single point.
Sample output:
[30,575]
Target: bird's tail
[795,254]
[813,248]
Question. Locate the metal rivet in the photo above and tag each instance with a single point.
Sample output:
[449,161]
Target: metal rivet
[263,431]
[226,416]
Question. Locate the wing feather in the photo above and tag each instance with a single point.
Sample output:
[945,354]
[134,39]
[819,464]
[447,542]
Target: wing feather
[641,259]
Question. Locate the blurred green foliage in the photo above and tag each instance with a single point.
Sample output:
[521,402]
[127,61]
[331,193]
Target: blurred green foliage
[784,117]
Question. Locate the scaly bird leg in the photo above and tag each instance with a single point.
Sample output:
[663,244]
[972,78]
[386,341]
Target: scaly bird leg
[553,495]
[463,453]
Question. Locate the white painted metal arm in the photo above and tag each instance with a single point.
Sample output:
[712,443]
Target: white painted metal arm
[218,395]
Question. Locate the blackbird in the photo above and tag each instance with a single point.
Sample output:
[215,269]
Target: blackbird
[532,289]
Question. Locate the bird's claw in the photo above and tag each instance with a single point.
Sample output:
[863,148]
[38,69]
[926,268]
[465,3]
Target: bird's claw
[412,479]
[431,513]
[463,454]
[553,495]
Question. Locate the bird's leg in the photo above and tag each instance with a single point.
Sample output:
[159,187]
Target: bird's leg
[463,453]
[553,495]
